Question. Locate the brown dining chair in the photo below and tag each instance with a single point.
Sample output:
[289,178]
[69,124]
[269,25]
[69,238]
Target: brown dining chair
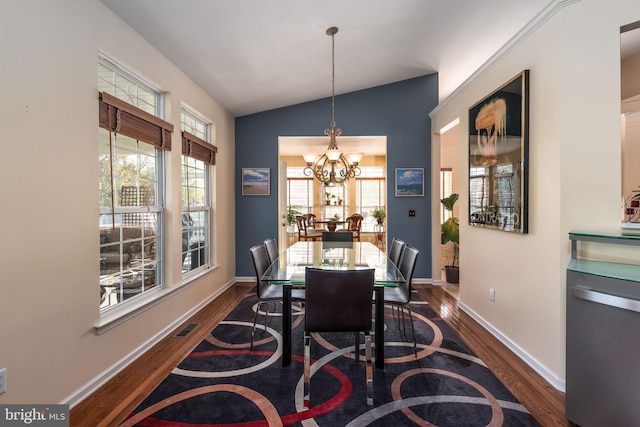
[304,233]
[267,293]
[338,301]
[311,222]
[400,296]
[354,224]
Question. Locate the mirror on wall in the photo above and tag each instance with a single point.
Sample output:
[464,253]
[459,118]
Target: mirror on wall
[630,122]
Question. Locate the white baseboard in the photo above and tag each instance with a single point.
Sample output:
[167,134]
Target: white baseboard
[549,376]
[97,382]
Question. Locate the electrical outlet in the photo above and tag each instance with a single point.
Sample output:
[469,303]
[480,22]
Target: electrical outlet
[492,294]
[3,380]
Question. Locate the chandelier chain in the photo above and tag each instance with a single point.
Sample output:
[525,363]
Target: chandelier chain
[333,80]
[333,167]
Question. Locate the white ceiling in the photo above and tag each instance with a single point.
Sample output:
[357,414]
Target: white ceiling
[257,55]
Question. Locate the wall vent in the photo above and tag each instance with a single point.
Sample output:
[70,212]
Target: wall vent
[187,330]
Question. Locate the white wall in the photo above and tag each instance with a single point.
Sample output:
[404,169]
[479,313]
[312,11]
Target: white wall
[49,291]
[574,170]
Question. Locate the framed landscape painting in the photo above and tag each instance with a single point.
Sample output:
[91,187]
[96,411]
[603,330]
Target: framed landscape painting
[499,156]
[409,182]
[255,181]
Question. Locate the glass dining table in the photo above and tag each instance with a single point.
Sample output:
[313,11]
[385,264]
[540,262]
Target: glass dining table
[288,270]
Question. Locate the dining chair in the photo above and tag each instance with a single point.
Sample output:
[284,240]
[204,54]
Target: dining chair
[272,248]
[395,250]
[267,293]
[338,301]
[334,236]
[354,224]
[304,233]
[311,222]
[400,296]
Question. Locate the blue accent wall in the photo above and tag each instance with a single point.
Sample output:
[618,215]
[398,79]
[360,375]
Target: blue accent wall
[398,111]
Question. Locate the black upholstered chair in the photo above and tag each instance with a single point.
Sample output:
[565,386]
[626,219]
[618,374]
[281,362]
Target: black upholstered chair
[334,236]
[400,296]
[272,248]
[338,301]
[395,250]
[267,293]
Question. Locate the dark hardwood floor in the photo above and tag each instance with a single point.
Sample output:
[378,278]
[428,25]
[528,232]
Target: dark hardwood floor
[111,404]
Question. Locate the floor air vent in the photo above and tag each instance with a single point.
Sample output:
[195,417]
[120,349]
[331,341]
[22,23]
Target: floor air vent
[187,330]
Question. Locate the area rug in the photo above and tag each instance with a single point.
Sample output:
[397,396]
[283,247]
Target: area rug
[224,383]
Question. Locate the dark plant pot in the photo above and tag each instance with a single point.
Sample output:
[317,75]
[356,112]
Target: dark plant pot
[380,221]
[451,273]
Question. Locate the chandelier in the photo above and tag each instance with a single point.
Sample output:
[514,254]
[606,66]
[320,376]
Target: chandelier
[333,167]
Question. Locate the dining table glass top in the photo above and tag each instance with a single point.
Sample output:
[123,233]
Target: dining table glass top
[290,266]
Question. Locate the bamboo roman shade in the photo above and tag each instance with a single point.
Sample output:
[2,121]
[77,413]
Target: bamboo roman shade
[123,118]
[199,149]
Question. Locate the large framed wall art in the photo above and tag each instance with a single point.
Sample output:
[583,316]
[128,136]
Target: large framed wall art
[499,156]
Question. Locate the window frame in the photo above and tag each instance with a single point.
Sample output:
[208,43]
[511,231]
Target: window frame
[132,133]
[368,174]
[196,134]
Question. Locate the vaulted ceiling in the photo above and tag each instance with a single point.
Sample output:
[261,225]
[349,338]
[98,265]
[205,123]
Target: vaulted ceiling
[256,55]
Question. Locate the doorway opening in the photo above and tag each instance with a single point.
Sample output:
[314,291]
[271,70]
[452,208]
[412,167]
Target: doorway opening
[300,193]
[449,184]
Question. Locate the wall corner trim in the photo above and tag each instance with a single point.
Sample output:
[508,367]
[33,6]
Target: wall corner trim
[533,25]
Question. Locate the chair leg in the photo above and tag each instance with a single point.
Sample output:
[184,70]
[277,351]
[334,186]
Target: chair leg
[357,345]
[413,331]
[253,328]
[369,367]
[404,329]
[307,373]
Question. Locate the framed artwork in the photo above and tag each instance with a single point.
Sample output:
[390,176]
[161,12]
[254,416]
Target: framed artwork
[255,181]
[499,156]
[409,182]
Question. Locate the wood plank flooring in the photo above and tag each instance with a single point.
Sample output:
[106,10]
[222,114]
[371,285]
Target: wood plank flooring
[113,402]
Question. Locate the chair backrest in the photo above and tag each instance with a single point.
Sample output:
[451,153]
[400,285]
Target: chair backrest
[311,219]
[395,251]
[261,263]
[407,266]
[302,226]
[334,236]
[338,300]
[272,248]
[354,222]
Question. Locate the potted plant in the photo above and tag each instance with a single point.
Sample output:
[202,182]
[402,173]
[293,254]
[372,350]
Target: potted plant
[450,232]
[292,211]
[327,200]
[379,214]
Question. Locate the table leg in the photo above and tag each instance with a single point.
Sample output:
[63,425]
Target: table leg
[379,328]
[286,325]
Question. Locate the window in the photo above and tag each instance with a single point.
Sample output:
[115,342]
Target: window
[370,194]
[131,141]
[446,188]
[299,190]
[197,158]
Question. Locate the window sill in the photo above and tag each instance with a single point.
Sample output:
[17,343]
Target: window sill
[128,310]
